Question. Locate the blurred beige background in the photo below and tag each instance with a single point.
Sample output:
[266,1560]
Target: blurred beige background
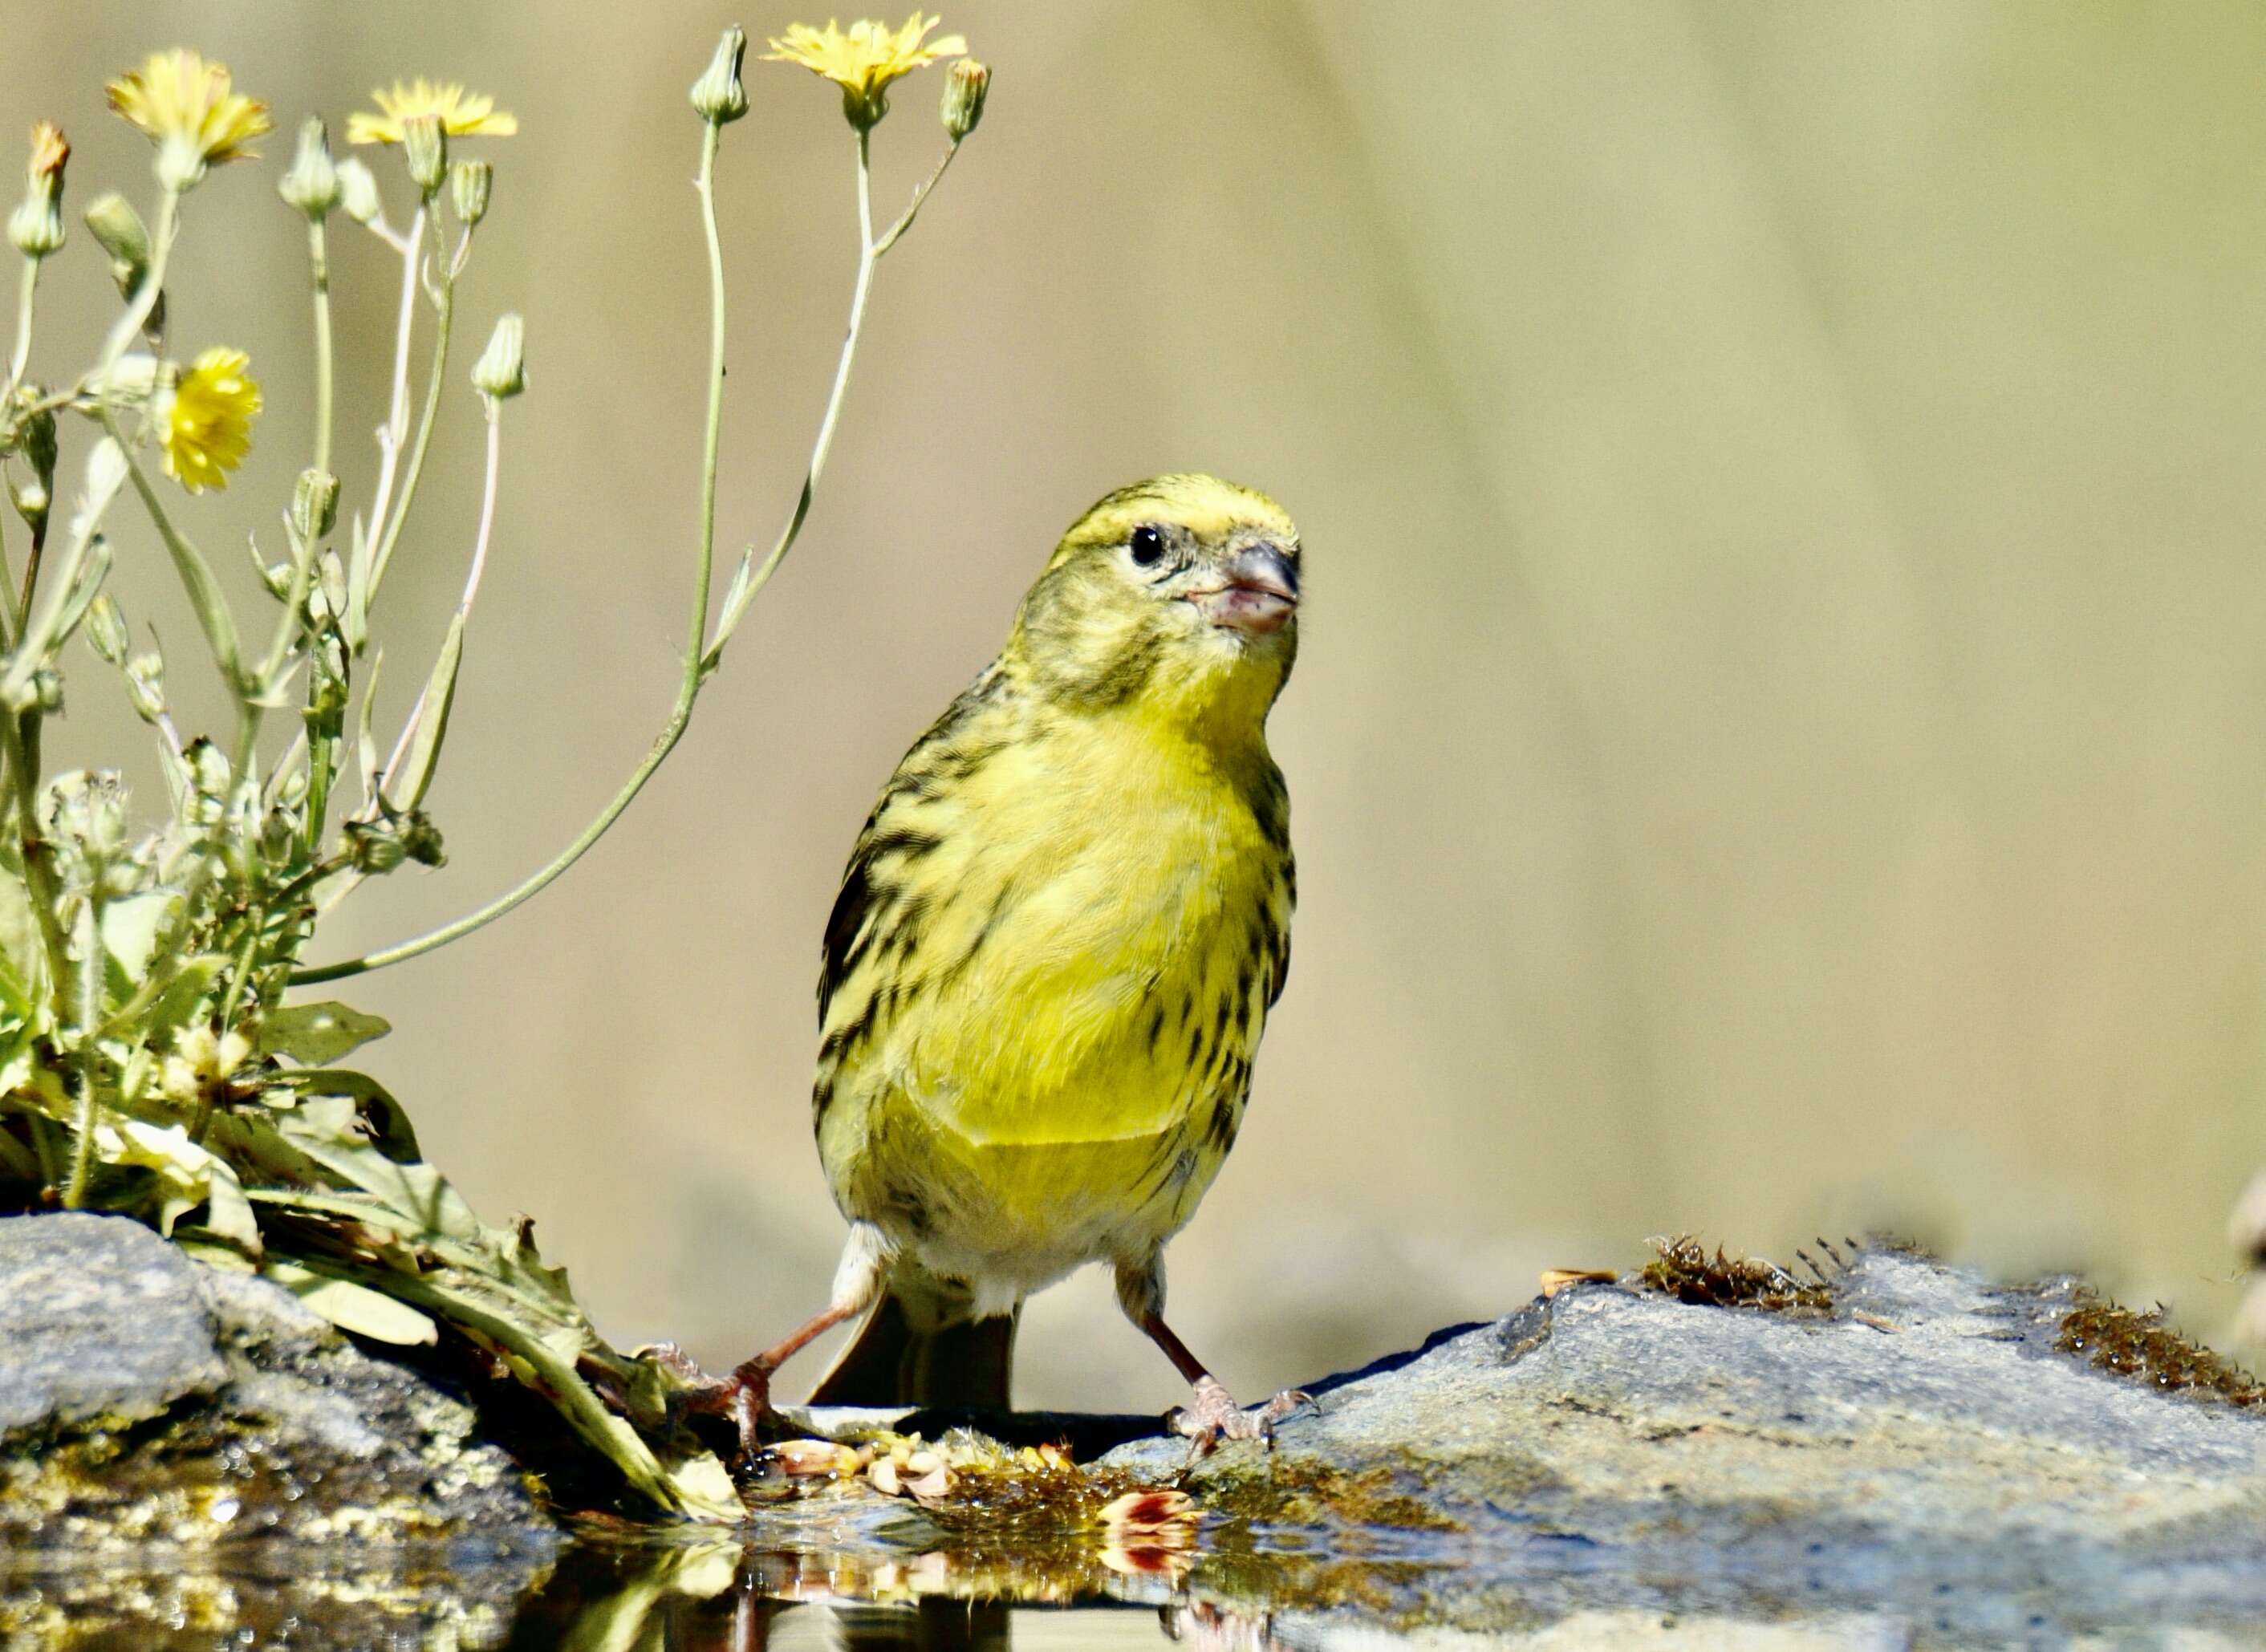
[1778,739]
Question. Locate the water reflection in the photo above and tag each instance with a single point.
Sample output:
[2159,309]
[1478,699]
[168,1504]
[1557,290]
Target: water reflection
[700,1596]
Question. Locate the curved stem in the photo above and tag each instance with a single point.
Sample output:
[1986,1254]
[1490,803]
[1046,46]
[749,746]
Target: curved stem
[129,324]
[688,686]
[444,306]
[20,357]
[745,589]
[397,417]
[464,603]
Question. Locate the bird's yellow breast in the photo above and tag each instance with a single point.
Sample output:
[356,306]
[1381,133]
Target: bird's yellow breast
[1082,934]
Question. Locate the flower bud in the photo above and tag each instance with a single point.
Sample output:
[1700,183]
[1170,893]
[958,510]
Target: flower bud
[470,184]
[35,439]
[718,96]
[208,769]
[358,196]
[119,231]
[105,630]
[47,688]
[36,227]
[372,849]
[426,148]
[30,498]
[502,369]
[145,686]
[311,185]
[965,85]
[420,840]
[314,505]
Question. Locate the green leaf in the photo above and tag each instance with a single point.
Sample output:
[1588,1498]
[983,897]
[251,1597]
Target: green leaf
[22,960]
[384,1123]
[317,1034]
[129,935]
[329,1130]
[356,1308]
[184,995]
[366,742]
[354,623]
[407,789]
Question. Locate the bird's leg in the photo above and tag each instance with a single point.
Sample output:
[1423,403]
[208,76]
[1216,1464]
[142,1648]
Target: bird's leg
[1213,1416]
[745,1395]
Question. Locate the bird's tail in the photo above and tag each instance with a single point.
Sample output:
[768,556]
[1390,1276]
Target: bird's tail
[893,1362]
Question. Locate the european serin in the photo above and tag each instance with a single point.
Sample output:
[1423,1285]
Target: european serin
[1053,949]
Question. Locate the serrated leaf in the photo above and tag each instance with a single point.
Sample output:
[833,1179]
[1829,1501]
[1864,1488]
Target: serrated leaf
[356,1308]
[317,1034]
[406,790]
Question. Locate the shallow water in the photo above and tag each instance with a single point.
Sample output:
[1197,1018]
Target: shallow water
[867,1582]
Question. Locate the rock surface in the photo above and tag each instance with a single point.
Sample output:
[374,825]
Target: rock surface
[1919,1454]
[217,1432]
[1916,1463]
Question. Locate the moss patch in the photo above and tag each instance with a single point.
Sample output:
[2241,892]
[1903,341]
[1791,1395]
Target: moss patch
[1683,1270]
[2141,1347]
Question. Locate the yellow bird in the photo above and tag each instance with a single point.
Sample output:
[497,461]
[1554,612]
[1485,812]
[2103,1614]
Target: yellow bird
[1044,979]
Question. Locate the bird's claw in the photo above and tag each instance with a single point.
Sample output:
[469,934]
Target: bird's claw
[744,1396]
[1215,1417]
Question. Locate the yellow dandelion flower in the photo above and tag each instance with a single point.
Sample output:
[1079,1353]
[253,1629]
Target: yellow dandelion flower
[866,60]
[187,108]
[461,113]
[207,428]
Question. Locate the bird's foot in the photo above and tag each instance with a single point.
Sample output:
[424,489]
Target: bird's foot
[1215,1417]
[744,1395]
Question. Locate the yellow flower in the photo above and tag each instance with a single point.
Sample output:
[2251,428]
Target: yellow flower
[186,106]
[864,61]
[208,426]
[461,113]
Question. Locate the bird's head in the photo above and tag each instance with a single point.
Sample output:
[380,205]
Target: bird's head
[1178,594]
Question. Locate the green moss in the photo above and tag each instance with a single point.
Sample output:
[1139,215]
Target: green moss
[1684,1270]
[2141,1347]
[1313,1492]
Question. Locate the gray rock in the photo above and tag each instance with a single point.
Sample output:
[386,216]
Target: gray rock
[171,1434]
[1920,1454]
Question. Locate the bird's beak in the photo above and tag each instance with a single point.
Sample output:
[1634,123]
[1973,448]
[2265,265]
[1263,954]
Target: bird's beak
[1258,591]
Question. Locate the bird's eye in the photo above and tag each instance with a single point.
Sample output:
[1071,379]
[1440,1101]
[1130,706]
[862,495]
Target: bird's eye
[1147,545]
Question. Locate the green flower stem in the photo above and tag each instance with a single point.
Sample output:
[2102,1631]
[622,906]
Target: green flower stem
[318,265]
[12,614]
[397,417]
[464,603]
[688,690]
[26,300]
[89,1013]
[745,589]
[747,586]
[912,210]
[24,785]
[136,314]
[18,607]
[205,594]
